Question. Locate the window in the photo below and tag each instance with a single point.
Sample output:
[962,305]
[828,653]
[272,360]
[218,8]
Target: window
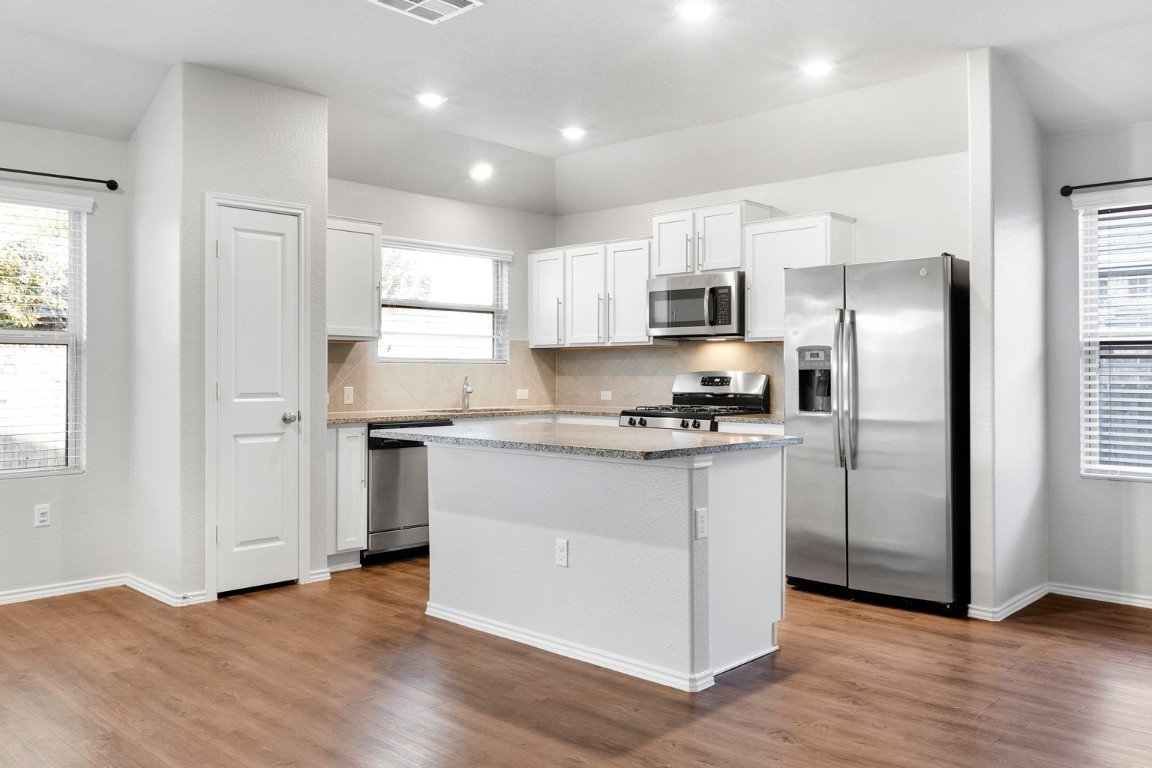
[443,303]
[1116,333]
[41,332]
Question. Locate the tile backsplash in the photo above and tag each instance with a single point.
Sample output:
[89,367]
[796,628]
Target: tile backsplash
[408,386]
[643,375]
[634,375]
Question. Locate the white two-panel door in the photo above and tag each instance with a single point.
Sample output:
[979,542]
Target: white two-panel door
[258,428]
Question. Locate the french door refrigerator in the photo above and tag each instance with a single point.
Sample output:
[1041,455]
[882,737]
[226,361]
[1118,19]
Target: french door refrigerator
[876,368]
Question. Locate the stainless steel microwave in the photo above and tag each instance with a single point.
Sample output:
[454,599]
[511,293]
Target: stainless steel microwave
[710,305]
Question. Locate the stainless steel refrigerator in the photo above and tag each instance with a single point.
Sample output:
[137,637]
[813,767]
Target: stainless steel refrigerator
[876,367]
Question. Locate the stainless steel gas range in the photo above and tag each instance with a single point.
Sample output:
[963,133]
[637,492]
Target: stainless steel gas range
[698,398]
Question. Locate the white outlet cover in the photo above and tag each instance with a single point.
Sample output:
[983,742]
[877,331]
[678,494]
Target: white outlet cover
[521,394]
[562,553]
[349,395]
[605,394]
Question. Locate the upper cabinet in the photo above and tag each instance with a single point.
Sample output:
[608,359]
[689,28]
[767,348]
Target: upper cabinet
[774,245]
[547,289]
[353,280]
[590,295]
[702,239]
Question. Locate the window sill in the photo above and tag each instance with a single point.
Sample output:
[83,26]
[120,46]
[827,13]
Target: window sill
[13,474]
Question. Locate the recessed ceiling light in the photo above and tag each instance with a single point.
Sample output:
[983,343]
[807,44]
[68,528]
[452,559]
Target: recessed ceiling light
[481,172]
[430,99]
[696,10]
[573,133]
[818,68]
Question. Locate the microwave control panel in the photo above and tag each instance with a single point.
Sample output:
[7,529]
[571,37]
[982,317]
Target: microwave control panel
[723,305]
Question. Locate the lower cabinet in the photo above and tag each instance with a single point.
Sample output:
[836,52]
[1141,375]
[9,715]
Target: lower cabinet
[347,488]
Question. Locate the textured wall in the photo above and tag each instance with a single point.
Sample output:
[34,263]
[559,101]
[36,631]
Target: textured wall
[1100,531]
[643,375]
[87,536]
[404,386]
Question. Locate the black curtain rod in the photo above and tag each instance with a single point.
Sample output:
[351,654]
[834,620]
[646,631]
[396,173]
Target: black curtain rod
[110,183]
[1066,191]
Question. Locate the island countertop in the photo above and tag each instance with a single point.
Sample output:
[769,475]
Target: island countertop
[362,417]
[585,440]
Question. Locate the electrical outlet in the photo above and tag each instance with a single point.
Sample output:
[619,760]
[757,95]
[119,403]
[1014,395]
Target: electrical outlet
[605,394]
[349,396]
[701,522]
[562,553]
[521,394]
[40,515]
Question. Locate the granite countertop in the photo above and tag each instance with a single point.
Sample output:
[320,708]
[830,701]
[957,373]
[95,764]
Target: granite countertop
[363,417]
[588,440]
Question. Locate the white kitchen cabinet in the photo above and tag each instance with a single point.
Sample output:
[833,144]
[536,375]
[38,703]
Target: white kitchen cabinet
[626,265]
[702,239]
[547,296]
[348,488]
[353,280]
[774,245]
[584,291]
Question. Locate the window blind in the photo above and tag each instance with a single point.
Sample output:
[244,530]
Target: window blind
[443,303]
[42,249]
[1116,340]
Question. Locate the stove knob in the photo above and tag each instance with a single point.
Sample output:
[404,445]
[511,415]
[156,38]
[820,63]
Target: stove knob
[684,424]
[643,422]
[695,424]
[631,422]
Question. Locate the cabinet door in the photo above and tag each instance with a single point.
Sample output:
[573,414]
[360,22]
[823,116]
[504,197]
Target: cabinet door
[351,488]
[673,243]
[547,299]
[770,247]
[718,237]
[628,292]
[584,286]
[353,276]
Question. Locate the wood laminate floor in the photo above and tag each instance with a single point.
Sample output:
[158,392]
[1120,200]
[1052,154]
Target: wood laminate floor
[351,673]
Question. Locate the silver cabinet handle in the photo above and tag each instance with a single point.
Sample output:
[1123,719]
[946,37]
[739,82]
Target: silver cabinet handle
[290,417]
[557,319]
[599,315]
[837,365]
[364,461]
[687,253]
[611,309]
[851,412]
[700,255]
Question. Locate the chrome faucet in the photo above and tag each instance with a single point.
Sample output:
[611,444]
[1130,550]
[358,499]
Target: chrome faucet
[465,395]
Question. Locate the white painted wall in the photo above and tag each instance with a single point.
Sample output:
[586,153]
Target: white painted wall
[153,417]
[1100,531]
[439,219]
[921,116]
[1010,552]
[903,210]
[89,511]
[247,138]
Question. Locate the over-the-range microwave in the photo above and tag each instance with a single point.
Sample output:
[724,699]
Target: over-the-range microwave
[710,305]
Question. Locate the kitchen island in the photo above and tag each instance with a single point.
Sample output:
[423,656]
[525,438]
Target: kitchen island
[657,553]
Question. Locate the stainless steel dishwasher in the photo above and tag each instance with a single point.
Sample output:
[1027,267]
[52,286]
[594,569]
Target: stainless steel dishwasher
[397,489]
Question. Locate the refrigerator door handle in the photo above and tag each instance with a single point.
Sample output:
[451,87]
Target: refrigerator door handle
[837,386]
[852,412]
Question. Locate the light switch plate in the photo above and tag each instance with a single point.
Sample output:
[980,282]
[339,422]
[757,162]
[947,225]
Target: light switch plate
[349,396]
[521,394]
[40,516]
[605,394]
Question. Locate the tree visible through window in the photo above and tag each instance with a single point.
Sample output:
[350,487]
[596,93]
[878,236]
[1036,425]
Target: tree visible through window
[442,303]
[41,292]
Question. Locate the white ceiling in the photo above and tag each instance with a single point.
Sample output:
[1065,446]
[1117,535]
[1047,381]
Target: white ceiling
[516,71]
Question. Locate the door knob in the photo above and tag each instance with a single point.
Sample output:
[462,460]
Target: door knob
[290,416]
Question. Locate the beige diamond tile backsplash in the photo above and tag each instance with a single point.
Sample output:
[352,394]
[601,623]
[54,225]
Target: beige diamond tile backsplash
[634,375]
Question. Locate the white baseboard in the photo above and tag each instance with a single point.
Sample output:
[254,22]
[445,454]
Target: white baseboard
[1002,612]
[343,567]
[1121,598]
[615,662]
[759,654]
[320,574]
[61,588]
[165,596]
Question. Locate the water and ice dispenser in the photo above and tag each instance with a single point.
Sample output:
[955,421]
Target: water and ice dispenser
[815,369]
